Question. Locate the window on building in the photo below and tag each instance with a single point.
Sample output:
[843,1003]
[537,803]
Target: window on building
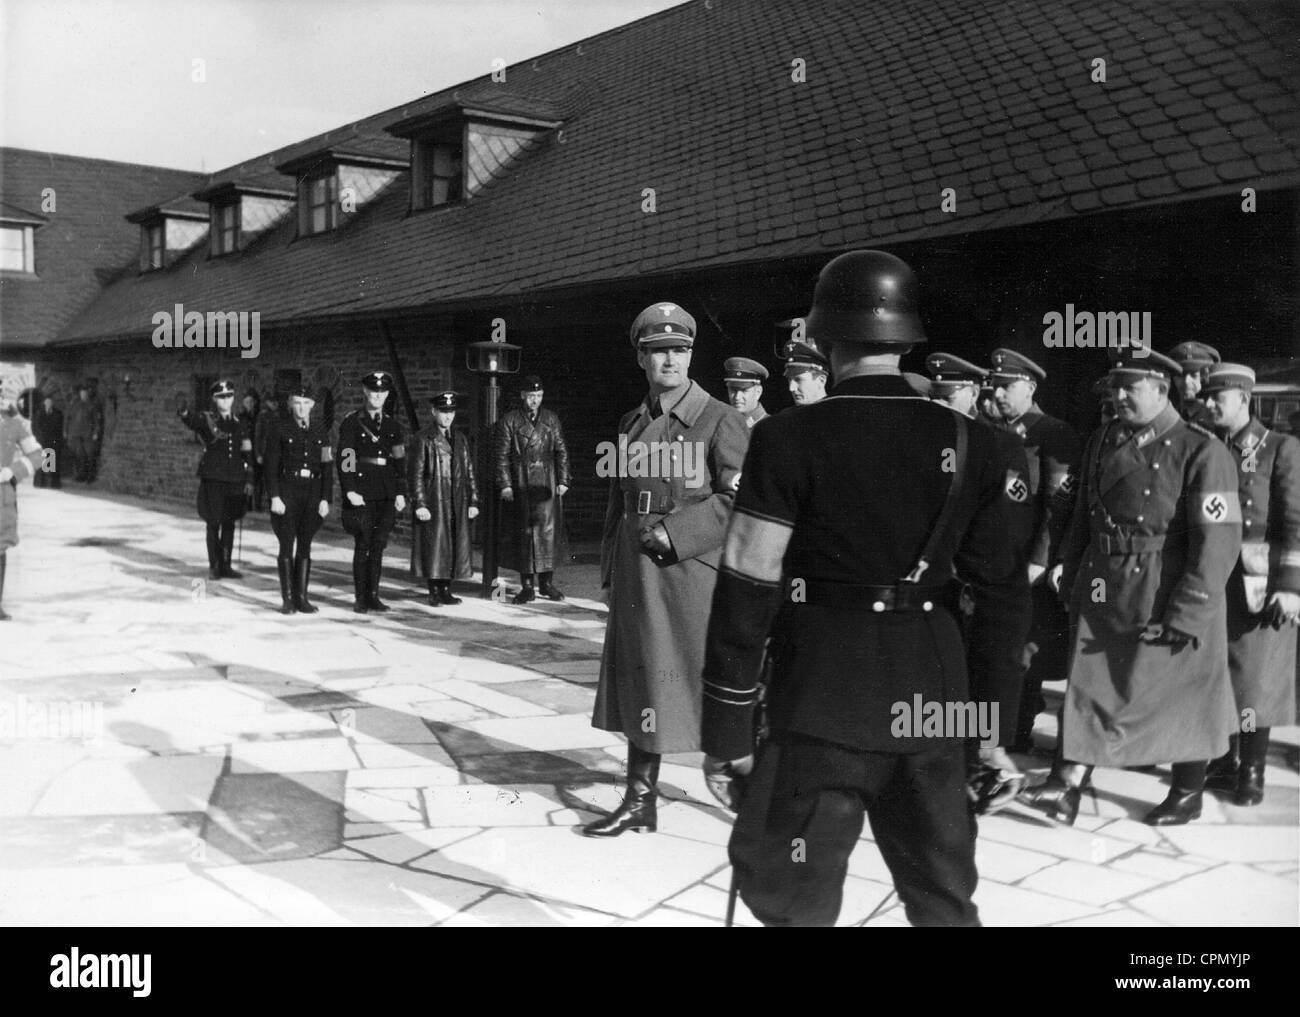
[16,249]
[153,246]
[225,228]
[318,202]
[438,171]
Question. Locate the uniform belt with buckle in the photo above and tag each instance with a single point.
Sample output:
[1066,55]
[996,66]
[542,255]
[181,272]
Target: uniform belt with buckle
[376,462]
[902,597]
[305,474]
[1120,544]
[643,503]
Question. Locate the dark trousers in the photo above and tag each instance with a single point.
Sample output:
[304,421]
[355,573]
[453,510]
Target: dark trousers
[82,450]
[1047,656]
[370,524]
[301,517]
[802,814]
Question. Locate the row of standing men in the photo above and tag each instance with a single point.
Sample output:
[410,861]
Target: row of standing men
[299,463]
[1139,534]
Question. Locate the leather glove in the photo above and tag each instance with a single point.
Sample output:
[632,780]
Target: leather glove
[994,782]
[507,494]
[656,543]
[278,506]
[1165,635]
[423,514]
[355,499]
[726,779]
[399,503]
[473,512]
[323,508]
[1283,609]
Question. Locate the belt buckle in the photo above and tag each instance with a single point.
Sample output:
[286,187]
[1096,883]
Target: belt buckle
[381,461]
[643,503]
[304,473]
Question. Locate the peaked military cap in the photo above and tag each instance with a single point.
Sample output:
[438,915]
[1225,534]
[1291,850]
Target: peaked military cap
[378,381]
[1127,368]
[1195,356]
[532,383]
[1229,376]
[661,325]
[919,382]
[800,357]
[741,372]
[1008,365]
[445,401]
[221,388]
[951,373]
[300,391]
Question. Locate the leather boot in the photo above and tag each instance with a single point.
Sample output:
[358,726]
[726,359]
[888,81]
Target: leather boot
[360,584]
[435,595]
[526,594]
[1222,772]
[444,593]
[301,577]
[284,566]
[1183,803]
[3,559]
[1059,796]
[546,584]
[214,553]
[372,589]
[638,811]
[1250,774]
[228,552]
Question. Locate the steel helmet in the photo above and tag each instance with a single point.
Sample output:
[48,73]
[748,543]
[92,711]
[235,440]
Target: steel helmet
[866,297]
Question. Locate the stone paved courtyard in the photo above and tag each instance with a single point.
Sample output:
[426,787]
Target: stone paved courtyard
[178,753]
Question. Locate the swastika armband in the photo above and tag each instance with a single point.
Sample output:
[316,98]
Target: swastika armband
[326,454]
[1066,483]
[1016,488]
[399,451]
[1220,507]
[27,444]
[245,446]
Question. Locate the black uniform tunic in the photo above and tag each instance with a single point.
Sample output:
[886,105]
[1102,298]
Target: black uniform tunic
[297,471]
[371,462]
[844,494]
[223,469]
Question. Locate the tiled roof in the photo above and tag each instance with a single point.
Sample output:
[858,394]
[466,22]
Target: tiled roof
[84,240]
[902,99]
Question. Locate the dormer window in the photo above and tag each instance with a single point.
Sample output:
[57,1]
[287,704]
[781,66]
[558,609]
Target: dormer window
[334,182]
[456,151]
[438,172]
[153,246]
[318,203]
[17,249]
[168,231]
[225,228]
[17,239]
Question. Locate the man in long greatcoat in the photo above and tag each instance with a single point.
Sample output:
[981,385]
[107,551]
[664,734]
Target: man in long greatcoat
[531,463]
[675,469]
[1152,541]
[445,495]
[1264,589]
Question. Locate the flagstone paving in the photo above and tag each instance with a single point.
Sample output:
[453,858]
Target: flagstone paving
[430,766]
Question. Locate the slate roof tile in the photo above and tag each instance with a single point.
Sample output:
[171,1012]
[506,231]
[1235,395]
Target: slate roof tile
[903,98]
